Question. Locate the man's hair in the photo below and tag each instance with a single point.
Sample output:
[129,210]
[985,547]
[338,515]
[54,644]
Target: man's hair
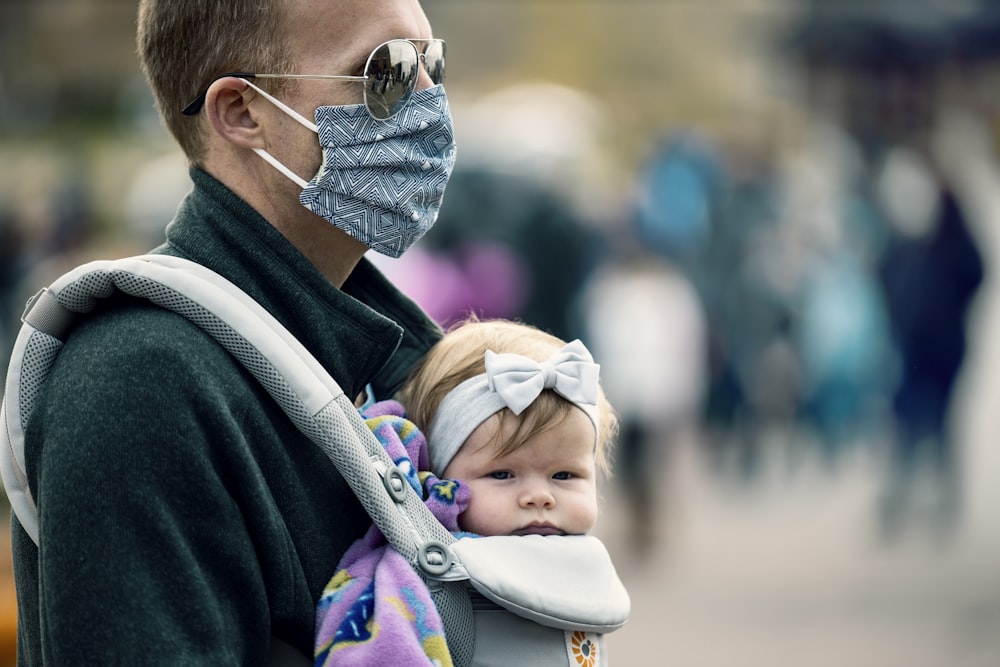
[184,45]
[461,355]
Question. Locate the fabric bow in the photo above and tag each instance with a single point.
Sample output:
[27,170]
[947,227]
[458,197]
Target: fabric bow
[570,372]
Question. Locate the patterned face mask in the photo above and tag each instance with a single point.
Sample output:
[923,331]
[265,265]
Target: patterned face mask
[381,181]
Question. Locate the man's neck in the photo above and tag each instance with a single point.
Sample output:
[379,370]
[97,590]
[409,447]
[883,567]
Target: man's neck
[333,252]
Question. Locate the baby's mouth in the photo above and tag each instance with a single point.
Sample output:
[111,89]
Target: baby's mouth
[539,529]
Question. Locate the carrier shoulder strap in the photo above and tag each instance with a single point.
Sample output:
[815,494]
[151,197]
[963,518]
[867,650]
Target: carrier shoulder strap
[310,397]
[292,376]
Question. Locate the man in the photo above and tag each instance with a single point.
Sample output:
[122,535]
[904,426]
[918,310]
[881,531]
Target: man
[183,520]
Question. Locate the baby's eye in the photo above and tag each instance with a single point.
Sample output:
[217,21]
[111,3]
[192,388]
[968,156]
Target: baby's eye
[501,474]
[564,475]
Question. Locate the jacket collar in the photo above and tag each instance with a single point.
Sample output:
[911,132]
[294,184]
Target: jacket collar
[352,331]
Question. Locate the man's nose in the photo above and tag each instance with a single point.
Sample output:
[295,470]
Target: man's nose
[423,78]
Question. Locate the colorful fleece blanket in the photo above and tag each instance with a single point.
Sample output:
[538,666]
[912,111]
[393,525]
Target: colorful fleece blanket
[376,610]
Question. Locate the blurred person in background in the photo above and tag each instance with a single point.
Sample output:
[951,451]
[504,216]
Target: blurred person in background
[929,269]
[713,220]
[842,335]
[643,318]
[183,517]
[882,78]
[931,272]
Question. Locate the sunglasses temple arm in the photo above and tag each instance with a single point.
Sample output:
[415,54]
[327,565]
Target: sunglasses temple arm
[195,105]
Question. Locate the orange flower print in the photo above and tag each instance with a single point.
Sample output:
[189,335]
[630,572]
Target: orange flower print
[584,649]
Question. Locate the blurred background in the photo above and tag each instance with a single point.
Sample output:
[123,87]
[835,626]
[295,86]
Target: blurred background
[773,221]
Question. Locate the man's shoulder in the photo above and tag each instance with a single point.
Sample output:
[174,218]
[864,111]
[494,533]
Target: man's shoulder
[132,373]
[124,325]
[131,341]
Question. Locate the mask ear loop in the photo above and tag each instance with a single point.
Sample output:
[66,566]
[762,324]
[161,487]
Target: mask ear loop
[296,116]
[308,124]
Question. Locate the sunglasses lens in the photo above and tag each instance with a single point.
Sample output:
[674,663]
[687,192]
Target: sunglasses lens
[434,60]
[392,74]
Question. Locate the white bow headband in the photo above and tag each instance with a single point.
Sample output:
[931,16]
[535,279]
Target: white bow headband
[511,381]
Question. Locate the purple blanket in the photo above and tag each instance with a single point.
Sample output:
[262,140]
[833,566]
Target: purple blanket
[376,610]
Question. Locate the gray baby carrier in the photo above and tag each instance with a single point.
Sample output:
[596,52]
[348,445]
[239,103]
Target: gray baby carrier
[503,600]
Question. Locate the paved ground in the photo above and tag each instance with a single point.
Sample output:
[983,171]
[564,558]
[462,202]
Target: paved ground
[795,574]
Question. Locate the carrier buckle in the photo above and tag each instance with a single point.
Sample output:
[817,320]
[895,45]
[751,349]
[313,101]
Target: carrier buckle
[434,558]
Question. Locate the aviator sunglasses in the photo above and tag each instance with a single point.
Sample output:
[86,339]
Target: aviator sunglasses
[390,76]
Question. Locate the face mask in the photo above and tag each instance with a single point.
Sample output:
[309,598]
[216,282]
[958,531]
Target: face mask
[381,181]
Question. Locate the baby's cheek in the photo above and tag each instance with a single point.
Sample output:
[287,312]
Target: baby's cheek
[480,517]
[586,515]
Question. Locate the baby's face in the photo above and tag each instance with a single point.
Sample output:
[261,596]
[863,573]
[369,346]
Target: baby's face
[546,487]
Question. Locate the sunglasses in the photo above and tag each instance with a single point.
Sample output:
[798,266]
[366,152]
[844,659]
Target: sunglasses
[390,76]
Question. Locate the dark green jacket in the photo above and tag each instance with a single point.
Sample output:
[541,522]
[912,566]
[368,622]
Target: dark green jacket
[183,518]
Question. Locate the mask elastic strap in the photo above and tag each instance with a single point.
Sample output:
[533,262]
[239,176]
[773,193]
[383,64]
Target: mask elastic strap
[273,161]
[296,116]
[284,107]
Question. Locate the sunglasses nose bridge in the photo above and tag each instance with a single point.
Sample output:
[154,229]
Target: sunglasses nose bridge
[424,79]
[433,65]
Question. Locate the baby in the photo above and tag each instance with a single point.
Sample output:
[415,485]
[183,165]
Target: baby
[517,429]
[519,416]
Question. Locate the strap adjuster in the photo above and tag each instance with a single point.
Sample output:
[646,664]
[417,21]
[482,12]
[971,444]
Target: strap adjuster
[44,313]
[434,558]
[396,484]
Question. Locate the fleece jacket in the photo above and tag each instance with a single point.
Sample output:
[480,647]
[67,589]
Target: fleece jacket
[183,518]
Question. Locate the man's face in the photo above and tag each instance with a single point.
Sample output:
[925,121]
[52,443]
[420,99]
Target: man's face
[336,37]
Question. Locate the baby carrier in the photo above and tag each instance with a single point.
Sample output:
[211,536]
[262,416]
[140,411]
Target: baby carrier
[502,600]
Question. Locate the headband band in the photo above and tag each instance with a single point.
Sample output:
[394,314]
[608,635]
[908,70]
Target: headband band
[511,381]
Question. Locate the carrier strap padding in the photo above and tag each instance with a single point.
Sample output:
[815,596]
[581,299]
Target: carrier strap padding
[292,376]
[455,607]
[44,312]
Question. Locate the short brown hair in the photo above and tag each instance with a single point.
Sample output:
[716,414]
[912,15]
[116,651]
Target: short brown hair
[461,355]
[184,44]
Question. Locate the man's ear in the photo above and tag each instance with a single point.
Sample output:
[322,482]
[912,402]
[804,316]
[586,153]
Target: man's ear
[227,105]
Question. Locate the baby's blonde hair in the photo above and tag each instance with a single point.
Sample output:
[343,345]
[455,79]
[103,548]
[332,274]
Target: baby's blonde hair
[461,354]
